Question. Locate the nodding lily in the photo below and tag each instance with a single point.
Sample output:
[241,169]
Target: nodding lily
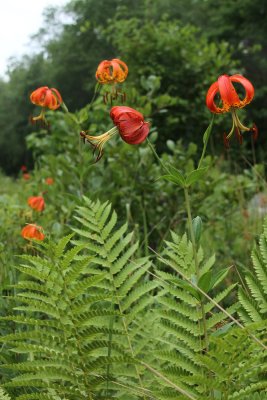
[32,231]
[49,181]
[36,203]
[129,124]
[113,71]
[230,102]
[26,176]
[46,98]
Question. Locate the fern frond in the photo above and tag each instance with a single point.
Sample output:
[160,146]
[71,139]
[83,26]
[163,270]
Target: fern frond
[254,299]
[78,308]
[4,395]
[182,320]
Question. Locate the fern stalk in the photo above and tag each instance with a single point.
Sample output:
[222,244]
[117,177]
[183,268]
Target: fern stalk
[144,225]
[76,333]
[107,255]
[131,350]
[127,336]
[167,380]
[190,222]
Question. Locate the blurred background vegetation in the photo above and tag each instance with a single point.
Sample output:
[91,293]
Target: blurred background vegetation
[174,49]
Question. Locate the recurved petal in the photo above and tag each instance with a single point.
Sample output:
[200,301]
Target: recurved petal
[129,127]
[228,93]
[247,85]
[139,136]
[212,92]
[37,95]
[119,113]
[32,231]
[57,95]
[120,70]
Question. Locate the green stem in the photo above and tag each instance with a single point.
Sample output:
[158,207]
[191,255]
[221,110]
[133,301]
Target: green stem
[97,90]
[111,323]
[192,235]
[145,226]
[156,155]
[205,141]
[167,380]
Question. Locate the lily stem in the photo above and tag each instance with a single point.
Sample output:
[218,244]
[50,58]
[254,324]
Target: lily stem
[193,240]
[157,156]
[205,141]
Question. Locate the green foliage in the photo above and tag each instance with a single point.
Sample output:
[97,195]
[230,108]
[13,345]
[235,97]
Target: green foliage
[253,297]
[178,53]
[92,319]
[163,54]
[76,307]
[3,395]
[186,318]
[234,367]
[79,311]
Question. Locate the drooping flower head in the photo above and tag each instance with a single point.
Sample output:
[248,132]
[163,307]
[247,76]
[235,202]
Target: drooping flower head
[26,176]
[229,101]
[113,71]
[36,203]
[130,125]
[23,168]
[46,98]
[49,181]
[32,231]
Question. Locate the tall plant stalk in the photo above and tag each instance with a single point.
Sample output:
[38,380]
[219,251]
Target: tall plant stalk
[197,271]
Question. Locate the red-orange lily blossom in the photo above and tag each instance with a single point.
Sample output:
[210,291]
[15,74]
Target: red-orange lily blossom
[32,231]
[36,203]
[46,98]
[113,71]
[26,176]
[231,101]
[49,181]
[130,124]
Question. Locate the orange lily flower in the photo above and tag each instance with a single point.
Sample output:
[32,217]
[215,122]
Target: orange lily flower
[231,101]
[26,176]
[46,98]
[36,203]
[129,124]
[49,181]
[32,231]
[113,71]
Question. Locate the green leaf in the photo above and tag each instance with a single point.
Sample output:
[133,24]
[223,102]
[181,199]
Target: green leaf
[195,176]
[204,282]
[173,179]
[185,285]
[175,176]
[218,277]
